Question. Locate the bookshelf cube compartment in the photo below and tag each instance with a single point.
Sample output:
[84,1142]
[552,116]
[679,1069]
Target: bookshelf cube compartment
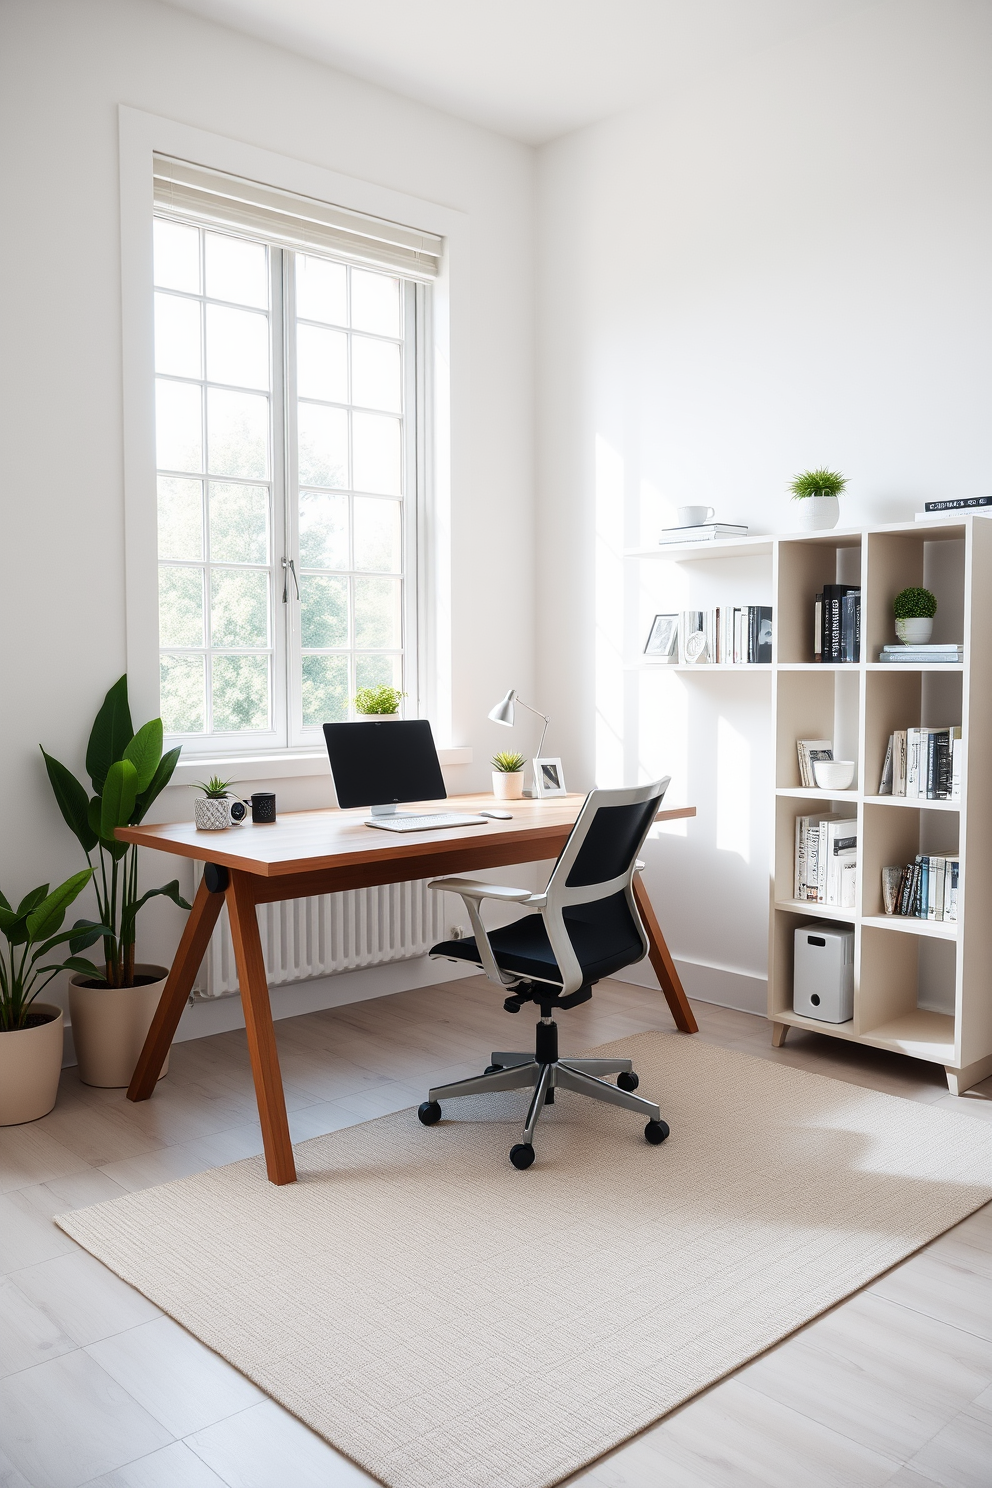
[787,811]
[821,703]
[891,837]
[931,558]
[908,994]
[784,927]
[804,566]
[897,699]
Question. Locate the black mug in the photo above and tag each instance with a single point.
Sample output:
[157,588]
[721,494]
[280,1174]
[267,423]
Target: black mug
[263,807]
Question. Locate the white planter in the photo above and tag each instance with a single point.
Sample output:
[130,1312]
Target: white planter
[508,785]
[815,513]
[211,814]
[916,631]
[30,1065]
[110,1024]
[378,718]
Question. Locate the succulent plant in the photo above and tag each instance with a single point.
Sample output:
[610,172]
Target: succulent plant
[214,789]
[507,762]
[820,482]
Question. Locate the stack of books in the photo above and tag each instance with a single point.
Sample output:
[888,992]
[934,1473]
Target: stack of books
[733,634]
[705,532]
[915,654]
[924,763]
[837,623]
[827,859]
[928,888]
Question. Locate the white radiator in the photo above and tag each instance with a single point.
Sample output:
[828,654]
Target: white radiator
[307,938]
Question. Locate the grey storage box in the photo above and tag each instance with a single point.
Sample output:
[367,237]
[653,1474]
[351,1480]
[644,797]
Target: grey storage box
[823,980]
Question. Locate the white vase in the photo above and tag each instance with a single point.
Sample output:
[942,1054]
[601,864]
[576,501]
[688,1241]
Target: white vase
[30,1065]
[915,631]
[508,785]
[816,513]
[110,1025]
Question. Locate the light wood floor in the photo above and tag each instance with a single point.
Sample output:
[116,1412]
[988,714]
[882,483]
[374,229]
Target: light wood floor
[97,1387]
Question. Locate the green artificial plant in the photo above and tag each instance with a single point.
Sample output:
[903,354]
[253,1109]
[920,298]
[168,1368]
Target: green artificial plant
[32,931]
[507,763]
[214,789]
[914,604]
[128,772]
[817,483]
[381,699]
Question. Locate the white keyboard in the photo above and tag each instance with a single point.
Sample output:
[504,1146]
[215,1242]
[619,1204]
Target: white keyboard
[425,823]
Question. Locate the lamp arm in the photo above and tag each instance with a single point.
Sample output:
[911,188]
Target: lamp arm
[531,709]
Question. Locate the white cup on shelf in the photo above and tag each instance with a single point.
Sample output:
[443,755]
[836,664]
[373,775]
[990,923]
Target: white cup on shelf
[694,516]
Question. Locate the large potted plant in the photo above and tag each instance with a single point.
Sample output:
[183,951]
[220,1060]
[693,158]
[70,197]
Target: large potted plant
[31,1031]
[111,1013]
[817,493]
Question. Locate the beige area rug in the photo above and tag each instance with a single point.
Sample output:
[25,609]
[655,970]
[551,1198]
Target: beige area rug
[449,1322]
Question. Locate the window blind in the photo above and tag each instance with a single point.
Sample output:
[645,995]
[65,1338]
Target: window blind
[300,222]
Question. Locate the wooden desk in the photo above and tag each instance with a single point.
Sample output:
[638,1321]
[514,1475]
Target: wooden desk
[321,852]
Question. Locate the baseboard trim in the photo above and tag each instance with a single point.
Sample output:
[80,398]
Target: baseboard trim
[720,985]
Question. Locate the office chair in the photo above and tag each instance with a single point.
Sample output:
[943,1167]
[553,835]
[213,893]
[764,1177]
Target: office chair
[585,926]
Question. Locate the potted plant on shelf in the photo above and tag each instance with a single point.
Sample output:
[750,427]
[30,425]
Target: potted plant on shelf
[817,492]
[914,610]
[508,775]
[378,702]
[31,1031]
[111,1012]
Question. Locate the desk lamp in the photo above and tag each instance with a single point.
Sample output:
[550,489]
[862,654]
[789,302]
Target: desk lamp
[503,713]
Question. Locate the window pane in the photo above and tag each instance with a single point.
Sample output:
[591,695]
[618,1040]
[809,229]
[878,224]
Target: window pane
[177,256]
[321,290]
[237,433]
[236,270]
[377,535]
[325,690]
[322,364]
[237,347]
[375,374]
[180,519]
[375,303]
[240,692]
[377,671]
[183,695]
[177,336]
[323,530]
[376,453]
[180,606]
[178,428]
[323,611]
[323,439]
[377,614]
[239,607]
[239,523]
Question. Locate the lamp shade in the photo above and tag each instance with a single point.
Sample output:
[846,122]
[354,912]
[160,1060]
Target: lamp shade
[503,711]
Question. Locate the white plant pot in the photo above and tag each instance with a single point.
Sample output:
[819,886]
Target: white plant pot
[508,785]
[816,513]
[211,814]
[916,631]
[30,1065]
[378,718]
[110,1025]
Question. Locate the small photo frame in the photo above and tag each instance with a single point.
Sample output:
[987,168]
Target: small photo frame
[662,642]
[549,778]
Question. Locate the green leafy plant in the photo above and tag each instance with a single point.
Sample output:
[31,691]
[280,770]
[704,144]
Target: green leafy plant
[32,931]
[382,699]
[817,483]
[128,772]
[507,763]
[914,604]
[214,789]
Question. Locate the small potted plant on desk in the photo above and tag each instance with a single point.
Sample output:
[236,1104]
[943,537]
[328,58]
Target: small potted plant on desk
[508,775]
[212,812]
[914,610]
[31,1031]
[111,1014]
[378,702]
[816,492]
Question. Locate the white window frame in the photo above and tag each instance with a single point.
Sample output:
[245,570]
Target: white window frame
[442,458]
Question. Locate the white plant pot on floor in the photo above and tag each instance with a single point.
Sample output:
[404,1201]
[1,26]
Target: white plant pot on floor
[816,513]
[508,785]
[915,631]
[110,1024]
[30,1065]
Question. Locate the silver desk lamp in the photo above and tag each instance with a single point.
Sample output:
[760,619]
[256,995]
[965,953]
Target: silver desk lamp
[503,713]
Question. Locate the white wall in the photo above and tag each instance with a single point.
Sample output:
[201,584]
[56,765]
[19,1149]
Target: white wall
[786,265]
[65,66]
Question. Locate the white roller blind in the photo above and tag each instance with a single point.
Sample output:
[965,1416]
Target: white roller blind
[299,222]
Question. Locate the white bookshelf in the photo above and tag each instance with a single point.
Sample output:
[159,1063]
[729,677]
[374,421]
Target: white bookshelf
[901,964]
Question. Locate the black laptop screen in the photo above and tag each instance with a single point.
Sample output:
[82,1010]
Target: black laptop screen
[377,764]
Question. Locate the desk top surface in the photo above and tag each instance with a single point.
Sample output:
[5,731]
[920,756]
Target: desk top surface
[308,841]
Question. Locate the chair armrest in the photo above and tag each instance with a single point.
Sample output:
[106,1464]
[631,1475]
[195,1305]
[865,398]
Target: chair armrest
[639,865]
[473,888]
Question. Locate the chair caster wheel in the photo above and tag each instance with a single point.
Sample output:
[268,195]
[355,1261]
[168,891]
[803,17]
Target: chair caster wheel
[492,1069]
[430,1112]
[655,1131]
[627,1081]
[522,1155]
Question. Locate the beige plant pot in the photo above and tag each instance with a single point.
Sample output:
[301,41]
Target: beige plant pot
[508,785]
[30,1064]
[110,1024]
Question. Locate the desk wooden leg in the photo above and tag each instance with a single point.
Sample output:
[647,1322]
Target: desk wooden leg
[279,1161]
[661,959]
[175,993]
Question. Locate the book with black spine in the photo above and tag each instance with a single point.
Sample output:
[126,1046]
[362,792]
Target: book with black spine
[763,644]
[966,503]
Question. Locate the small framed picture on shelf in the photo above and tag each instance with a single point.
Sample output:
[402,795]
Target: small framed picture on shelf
[662,642]
[549,778]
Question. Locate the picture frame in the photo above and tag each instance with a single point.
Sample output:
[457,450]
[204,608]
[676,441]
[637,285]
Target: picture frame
[662,642]
[549,778]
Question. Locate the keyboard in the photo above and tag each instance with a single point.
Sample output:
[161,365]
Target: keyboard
[425,823]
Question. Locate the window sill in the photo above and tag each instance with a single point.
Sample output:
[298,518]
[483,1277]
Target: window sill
[284,764]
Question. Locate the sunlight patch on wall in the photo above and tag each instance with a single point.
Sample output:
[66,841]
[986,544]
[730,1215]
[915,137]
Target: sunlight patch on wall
[609,603]
[733,791]
[663,742]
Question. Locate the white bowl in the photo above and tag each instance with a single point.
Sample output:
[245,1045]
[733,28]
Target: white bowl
[833,774]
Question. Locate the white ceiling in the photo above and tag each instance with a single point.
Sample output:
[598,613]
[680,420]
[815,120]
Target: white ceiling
[531,69]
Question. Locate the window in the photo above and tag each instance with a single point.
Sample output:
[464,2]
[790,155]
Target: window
[288,410]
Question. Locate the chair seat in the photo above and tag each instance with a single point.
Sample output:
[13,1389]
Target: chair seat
[603,935]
